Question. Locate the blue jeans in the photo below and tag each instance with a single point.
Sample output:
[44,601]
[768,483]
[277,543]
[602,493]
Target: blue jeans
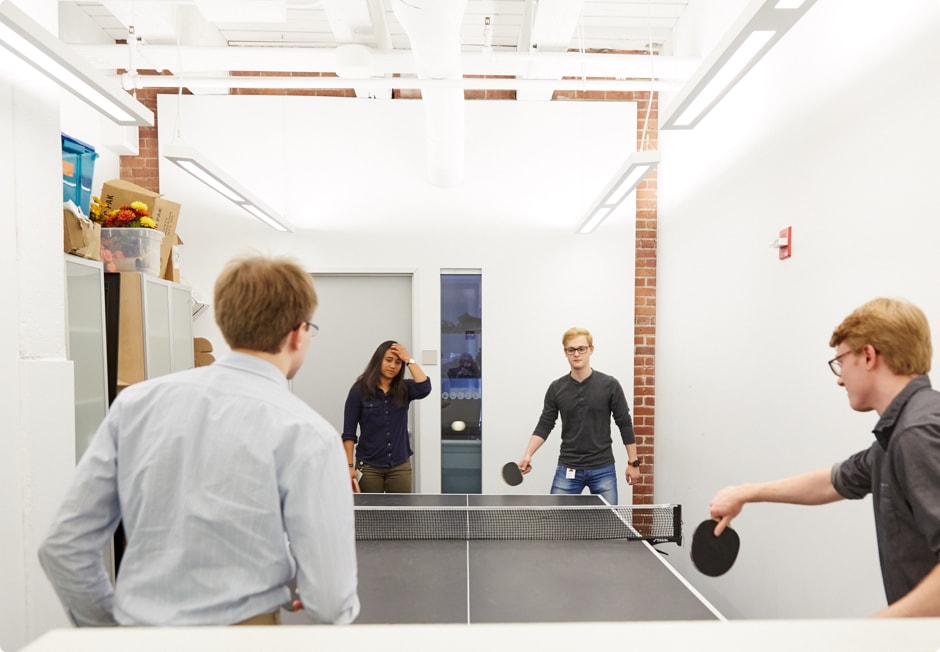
[601,481]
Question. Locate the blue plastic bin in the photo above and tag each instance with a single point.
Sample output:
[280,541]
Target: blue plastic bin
[78,171]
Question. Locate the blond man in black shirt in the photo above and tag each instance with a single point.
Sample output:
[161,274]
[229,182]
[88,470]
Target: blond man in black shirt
[586,400]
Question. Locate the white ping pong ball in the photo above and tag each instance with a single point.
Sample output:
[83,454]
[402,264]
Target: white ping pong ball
[457,426]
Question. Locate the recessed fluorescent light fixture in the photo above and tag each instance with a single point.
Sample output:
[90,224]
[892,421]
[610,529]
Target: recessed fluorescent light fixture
[199,166]
[757,29]
[621,186]
[27,39]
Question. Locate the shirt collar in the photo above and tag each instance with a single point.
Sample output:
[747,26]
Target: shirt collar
[254,365]
[885,426]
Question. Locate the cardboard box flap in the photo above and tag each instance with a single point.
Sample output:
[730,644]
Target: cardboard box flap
[81,236]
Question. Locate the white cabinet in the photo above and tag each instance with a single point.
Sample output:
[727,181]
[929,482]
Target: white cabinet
[85,345]
[155,333]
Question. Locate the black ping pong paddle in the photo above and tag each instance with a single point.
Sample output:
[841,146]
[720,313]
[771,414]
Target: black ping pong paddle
[512,474]
[714,556]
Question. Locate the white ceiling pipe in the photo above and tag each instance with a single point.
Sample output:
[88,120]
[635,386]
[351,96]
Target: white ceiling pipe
[259,59]
[553,25]
[444,120]
[433,29]
[466,83]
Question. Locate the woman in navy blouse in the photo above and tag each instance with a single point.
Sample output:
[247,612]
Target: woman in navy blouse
[378,405]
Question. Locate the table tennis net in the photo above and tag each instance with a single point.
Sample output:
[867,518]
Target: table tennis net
[655,523]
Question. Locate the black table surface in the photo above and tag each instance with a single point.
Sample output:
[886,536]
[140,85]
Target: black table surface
[482,581]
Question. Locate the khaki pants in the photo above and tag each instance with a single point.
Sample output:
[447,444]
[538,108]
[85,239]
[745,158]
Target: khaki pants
[394,480]
[263,619]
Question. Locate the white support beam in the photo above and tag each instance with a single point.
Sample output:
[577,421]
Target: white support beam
[196,60]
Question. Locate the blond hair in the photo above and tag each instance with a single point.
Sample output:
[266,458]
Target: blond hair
[574,332]
[897,329]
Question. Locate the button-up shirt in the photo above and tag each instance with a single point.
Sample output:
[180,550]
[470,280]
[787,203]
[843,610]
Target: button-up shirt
[212,470]
[901,470]
[383,439]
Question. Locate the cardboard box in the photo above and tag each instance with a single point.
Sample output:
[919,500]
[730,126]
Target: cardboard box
[165,213]
[131,363]
[203,359]
[172,272]
[201,345]
[202,352]
[81,236]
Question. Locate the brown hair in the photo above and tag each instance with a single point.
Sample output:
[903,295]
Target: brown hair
[897,329]
[574,332]
[259,300]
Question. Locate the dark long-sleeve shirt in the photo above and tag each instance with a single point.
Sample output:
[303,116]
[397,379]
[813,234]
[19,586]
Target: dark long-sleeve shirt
[586,408]
[383,424]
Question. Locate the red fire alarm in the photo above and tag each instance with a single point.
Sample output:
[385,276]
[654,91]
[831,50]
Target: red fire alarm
[785,242]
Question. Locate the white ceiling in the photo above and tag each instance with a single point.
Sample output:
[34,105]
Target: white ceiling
[601,24]
[367,42]
[440,47]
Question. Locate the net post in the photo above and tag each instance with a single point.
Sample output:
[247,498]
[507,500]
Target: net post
[677,523]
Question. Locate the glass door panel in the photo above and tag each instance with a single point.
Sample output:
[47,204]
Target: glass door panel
[461,383]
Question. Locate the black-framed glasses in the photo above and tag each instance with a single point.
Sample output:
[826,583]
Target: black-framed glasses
[580,350]
[836,363]
[313,328]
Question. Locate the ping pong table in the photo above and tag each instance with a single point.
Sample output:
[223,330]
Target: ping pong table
[502,581]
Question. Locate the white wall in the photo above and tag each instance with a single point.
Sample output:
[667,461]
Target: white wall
[538,280]
[37,404]
[833,133]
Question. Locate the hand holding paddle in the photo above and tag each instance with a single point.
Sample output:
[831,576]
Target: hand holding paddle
[714,554]
[512,474]
[715,544]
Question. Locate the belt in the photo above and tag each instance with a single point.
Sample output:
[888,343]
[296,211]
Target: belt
[263,619]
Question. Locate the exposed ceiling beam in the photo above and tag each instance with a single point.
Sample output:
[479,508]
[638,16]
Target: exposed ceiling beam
[410,83]
[196,60]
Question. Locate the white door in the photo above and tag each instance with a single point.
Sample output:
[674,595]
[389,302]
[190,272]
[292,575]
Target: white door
[356,313]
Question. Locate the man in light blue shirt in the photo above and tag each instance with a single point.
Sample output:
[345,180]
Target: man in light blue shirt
[213,471]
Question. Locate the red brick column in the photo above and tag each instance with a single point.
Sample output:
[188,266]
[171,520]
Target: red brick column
[644,305]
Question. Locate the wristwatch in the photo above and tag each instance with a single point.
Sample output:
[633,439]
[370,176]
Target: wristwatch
[635,463]
[411,361]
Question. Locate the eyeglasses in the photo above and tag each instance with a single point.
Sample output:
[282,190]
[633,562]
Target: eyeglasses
[580,350]
[836,363]
[313,328]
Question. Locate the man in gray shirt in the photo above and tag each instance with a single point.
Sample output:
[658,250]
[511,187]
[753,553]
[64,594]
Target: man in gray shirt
[213,471]
[586,400]
[883,352]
